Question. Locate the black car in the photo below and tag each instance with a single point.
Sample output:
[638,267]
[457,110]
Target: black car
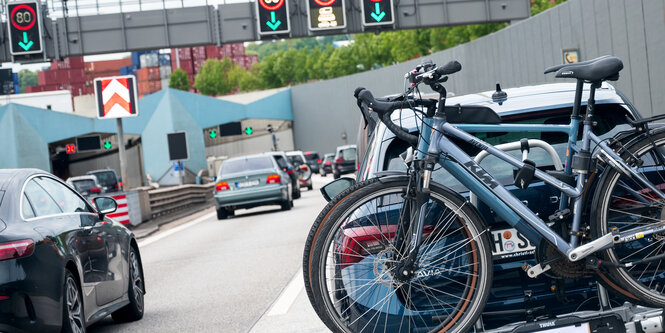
[345,160]
[326,164]
[313,160]
[108,178]
[285,164]
[63,264]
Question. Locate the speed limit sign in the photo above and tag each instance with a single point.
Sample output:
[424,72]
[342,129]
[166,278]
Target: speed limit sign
[25,29]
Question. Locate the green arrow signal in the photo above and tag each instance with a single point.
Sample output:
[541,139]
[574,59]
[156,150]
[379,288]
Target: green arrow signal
[107,144]
[249,130]
[378,14]
[25,44]
[273,23]
[213,134]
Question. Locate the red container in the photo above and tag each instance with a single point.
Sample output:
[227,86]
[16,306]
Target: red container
[108,65]
[183,53]
[77,75]
[212,51]
[198,64]
[238,49]
[198,52]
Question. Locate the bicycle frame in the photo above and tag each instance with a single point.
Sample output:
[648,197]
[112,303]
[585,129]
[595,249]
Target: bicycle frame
[461,166]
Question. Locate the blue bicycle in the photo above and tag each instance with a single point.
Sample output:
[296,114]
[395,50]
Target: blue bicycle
[403,253]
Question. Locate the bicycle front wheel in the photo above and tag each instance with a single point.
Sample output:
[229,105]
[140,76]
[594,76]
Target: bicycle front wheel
[624,204]
[354,265]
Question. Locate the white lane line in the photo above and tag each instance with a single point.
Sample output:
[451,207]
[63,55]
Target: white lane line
[288,296]
[170,232]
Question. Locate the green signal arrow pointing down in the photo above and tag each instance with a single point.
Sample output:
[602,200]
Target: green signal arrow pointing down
[273,23]
[25,44]
[107,144]
[378,14]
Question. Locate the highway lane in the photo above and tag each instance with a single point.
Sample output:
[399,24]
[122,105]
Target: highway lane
[222,276]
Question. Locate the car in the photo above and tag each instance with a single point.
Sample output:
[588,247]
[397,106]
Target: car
[297,158]
[86,185]
[283,162]
[64,264]
[251,181]
[345,160]
[313,160]
[108,178]
[515,296]
[326,164]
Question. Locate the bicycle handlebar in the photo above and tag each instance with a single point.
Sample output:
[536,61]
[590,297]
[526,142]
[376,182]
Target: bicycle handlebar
[449,68]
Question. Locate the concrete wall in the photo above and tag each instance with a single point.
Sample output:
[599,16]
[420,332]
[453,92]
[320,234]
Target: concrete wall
[633,30]
[60,100]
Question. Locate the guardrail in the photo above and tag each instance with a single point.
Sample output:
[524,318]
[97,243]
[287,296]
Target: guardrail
[167,200]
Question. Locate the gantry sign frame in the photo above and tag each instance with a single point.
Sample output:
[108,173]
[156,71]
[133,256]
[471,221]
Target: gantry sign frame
[271,15]
[333,5]
[377,11]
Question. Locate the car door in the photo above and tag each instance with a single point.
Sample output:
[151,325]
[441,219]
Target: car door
[101,269]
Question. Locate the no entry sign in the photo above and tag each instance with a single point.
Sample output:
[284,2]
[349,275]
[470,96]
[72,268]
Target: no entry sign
[116,97]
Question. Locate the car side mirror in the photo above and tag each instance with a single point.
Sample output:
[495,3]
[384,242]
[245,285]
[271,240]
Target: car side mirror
[105,205]
[336,187]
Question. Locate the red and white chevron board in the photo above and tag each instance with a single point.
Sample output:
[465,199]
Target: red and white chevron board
[122,214]
[116,97]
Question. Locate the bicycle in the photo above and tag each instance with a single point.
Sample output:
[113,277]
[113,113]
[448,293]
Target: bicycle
[402,252]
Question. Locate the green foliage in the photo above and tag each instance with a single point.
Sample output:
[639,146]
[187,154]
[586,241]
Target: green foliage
[538,6]
[212,78]
[179,80]
[26,78]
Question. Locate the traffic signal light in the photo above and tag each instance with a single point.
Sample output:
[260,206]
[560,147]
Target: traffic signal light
[249,130]
[273,17]
[25,29]
[377,12]
[326,14]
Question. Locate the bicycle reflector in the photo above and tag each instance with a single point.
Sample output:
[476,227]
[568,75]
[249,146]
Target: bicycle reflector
[16,249]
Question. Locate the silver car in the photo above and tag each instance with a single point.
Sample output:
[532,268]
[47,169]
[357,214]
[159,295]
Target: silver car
[251,181]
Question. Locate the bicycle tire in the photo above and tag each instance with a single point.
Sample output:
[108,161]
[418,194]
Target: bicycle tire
[617,207]
[411,296]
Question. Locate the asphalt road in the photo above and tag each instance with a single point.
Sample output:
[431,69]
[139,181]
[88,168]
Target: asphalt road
[222,276]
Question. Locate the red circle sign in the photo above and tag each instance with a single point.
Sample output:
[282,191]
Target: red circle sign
[277,4]
[324,3]
[32,21]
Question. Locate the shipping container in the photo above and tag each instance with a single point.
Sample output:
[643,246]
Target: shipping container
[198,64]
[146,74]
[165,83]
[164,72]
[129,70]
[238,49]
[149,60]
[198,53]
[107,65]
[164,59]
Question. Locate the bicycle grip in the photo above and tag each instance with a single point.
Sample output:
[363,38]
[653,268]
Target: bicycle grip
[366,96]
[451,67]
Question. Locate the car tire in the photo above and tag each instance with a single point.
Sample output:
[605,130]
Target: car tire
[136,289]
[310,187]
[336,175]
[72,314]
[222,214]
[230,212]
[286,205]
[296,194]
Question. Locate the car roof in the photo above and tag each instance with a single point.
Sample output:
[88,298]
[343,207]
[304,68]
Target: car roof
[92,177]
[245,157]
[345,146]
[521,99]
[293,152]
[100,170]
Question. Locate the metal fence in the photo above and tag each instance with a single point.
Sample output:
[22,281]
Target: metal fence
[164,201]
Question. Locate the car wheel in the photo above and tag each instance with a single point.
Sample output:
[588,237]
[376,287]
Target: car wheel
[335,175]
[310,187]
[296,193]
[134,310]
[73,318]
[231,212]
[222,214]
[286,205]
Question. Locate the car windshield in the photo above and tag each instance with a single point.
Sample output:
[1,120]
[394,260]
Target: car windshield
[246,164]
[106,178]
[312,157]
[83,184]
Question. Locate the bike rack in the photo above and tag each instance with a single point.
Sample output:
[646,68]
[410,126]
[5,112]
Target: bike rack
[517,145]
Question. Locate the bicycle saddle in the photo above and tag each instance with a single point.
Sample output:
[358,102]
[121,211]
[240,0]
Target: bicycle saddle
[595,70]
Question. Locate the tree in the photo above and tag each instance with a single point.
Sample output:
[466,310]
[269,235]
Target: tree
[213,77]
[26,78]
[179,80]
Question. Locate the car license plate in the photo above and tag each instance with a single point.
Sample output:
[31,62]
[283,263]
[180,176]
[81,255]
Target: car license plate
[509,243]
[247,183]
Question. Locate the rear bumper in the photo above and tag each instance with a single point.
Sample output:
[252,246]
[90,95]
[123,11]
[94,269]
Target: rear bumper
[252,196]
[341,169]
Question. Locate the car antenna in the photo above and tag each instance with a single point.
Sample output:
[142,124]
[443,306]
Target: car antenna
[499,96]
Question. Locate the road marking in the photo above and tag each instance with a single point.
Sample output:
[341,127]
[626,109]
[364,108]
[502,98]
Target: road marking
[170,232]
[288,296]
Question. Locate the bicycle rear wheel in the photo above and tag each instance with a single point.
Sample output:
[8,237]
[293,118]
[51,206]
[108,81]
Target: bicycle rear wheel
[353,265]
[621,202]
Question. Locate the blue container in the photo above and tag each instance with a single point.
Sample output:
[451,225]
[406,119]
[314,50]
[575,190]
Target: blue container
[136,57]
[165,59]
[16,91]
[129,70]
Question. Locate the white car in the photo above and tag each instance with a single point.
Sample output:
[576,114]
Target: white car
[86,185]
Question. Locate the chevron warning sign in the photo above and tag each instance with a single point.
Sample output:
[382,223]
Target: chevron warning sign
[116,97]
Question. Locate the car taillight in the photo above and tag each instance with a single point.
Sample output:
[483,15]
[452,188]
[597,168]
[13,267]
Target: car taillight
[339,159]
[273,179]
[95,190]
[16,249]
[318,161]
[289,172]
[327,163]
[118,185]
[222,186]
[359,242]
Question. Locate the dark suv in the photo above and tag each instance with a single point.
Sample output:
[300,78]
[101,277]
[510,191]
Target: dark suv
[108,178]
[345,160]
[514,296]
[313,160]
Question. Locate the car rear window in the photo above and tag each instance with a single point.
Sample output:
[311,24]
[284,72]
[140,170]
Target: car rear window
[246,164]
[83,184]
[311,156]
[106,178]
[296,160]
[348,154]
